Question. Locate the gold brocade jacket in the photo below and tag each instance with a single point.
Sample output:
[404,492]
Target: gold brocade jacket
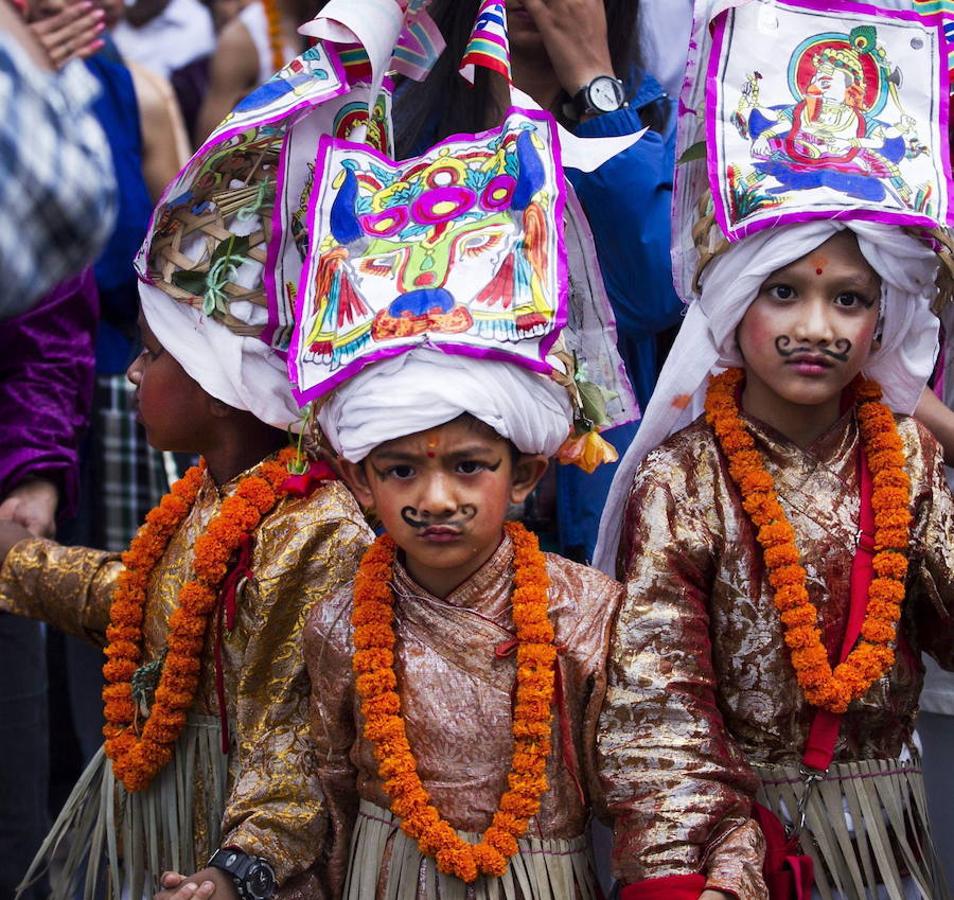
[455,677]
[701,680]
[303,551]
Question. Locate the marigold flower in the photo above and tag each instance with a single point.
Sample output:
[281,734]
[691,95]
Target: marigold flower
[502,841]
[136,760]
[366,661]
[376,682]
[891,498]
[375,635]
[490,861]
[376,686]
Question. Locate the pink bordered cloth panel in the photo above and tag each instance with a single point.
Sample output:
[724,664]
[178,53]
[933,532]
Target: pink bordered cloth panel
[461,248]
[826,109]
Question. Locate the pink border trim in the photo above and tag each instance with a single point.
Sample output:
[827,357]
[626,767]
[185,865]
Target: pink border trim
[274,246]
[871,215]
[325,146]
[207,146]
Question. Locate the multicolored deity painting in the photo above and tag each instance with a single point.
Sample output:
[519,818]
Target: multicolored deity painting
[851,122]
[459,247]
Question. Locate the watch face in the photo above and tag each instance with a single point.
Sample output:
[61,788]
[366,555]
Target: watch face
[260,881]
[604,94]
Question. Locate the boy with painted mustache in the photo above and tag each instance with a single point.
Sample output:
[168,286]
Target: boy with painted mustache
[783,526]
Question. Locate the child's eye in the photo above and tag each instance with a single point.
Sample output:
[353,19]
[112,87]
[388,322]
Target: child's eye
[851,300]
[470,467]
[781,291]
[400,472]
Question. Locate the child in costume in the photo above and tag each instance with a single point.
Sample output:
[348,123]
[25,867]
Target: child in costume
[783,527]
[458,680]
[206,702]
[457,683]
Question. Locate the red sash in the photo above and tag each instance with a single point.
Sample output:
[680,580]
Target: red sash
[788,872]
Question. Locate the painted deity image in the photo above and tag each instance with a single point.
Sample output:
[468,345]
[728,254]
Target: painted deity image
[839,128]
[455,246]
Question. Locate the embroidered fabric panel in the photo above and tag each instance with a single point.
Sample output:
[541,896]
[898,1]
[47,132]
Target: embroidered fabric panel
[816,110]
[461,248]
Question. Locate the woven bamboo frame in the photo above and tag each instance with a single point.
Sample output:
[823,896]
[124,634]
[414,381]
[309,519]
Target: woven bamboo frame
[166,256]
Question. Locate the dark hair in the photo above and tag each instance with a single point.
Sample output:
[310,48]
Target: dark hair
[445,104]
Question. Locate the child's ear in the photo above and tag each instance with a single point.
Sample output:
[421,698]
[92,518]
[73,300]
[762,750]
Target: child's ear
[218,409]
[527,472]
[357,479]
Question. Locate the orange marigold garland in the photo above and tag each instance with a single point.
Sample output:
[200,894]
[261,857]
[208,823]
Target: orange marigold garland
[276,41]
[376,684]
[139,754]
[873,656]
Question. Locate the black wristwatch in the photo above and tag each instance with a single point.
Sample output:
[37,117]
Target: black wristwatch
[604,94]
[254,878]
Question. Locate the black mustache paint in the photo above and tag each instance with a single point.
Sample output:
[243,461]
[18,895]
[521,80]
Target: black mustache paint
[842,348]
[413,518]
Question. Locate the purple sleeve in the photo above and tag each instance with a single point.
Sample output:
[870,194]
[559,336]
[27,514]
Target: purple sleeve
[47,366]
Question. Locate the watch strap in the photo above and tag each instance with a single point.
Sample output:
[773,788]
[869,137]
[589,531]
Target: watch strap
[580,104]
[239,865]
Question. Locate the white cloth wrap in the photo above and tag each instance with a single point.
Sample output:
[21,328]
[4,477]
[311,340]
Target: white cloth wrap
[706,341]
[243,372]
[425,388]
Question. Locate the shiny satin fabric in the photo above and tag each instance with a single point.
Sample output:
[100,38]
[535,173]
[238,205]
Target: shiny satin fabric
[456,669]
[303,551]
[701,677]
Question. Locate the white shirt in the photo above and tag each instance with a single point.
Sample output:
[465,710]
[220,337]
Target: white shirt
[182,33]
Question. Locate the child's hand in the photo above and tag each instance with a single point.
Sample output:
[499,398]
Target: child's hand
[32,504]
[11,533]
[200,886]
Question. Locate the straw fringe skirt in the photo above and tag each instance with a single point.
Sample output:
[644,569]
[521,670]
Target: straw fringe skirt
[541,870]
[136,836]
[866,825]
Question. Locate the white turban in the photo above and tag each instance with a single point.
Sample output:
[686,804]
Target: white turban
[706,340]
[426,387]
[243,372]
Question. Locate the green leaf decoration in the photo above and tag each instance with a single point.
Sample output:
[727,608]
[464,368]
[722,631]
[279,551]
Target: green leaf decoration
[193,282]
[696,151]
[233,250]
[593,400]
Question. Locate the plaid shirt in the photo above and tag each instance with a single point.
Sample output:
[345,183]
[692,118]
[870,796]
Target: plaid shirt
[57,190]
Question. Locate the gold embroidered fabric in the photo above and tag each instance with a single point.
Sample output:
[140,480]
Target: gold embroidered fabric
[456,669]
[303,551]
[701,680]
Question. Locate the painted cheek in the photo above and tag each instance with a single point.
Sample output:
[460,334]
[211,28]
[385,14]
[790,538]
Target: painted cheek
[757,332]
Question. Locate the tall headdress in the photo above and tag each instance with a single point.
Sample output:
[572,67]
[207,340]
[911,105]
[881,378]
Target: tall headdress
[799,118]
[293,223]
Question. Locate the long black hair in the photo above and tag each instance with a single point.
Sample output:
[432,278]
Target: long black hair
[445,104]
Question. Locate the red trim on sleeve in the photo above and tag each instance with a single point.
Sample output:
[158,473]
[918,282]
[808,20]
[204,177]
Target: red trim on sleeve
[669,887]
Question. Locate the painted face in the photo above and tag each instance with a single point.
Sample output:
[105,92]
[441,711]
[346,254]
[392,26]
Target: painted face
[443,496]
[810,330]
[171,406]
[831,83]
